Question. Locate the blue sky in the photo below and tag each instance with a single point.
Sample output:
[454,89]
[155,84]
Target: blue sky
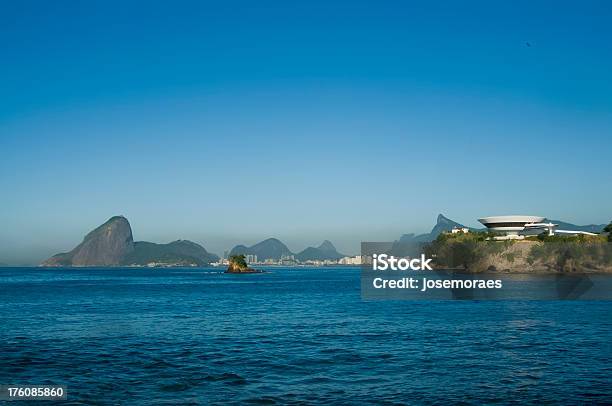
[230,122]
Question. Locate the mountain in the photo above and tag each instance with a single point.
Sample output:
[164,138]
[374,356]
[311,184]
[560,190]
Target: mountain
[591,228]
[324,251]
[107,245]
[180,252]
[239,249]
[442,224]
[112,244]
[271,248]
[327,246]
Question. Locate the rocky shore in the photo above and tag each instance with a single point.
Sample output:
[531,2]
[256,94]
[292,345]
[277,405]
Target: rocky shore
[581,255]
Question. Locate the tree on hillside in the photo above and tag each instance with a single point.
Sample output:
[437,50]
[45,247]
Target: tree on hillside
[608,229]
[238,261]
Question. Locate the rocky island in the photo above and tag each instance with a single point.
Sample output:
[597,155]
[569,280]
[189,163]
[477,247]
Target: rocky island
[237,264]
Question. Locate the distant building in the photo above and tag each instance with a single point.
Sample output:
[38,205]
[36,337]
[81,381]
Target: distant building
[509,226]
[457,230]
[356,260]
[220,262]
[514,227]
[251,258]
[287,260]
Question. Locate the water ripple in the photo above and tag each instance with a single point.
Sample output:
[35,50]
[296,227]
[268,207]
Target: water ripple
[291,337]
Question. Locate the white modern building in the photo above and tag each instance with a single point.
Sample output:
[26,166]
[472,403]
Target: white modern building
[512,226]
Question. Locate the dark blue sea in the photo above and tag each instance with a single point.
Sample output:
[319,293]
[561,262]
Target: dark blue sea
[291,336]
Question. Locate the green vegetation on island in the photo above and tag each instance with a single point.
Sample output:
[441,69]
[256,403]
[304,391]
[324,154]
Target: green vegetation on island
[238,264]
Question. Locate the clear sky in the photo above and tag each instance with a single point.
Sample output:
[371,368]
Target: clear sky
[229,122]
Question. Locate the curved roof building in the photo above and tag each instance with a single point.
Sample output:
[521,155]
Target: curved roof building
[510,225]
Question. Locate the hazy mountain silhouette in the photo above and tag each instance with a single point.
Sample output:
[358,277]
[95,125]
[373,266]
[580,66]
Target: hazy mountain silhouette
[591,228]
[442,224]
[106,245]
[111,244]
[270,248]
[324,251]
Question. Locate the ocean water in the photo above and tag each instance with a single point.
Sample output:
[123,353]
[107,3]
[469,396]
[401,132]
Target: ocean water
[291,336]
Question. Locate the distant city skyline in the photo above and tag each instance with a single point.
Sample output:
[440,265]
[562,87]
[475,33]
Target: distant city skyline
[228,123]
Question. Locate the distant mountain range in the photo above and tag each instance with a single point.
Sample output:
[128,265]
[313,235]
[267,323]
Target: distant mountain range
[177,252]
[273,248]
[111,244]
[591,228]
